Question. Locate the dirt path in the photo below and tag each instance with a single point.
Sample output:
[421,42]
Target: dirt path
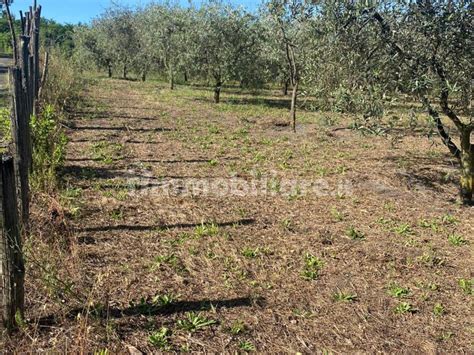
[281,273]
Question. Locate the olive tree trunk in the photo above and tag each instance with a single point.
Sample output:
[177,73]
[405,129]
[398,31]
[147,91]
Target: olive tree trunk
[217,92]
[109,67]
[171,79]
[285,87]
[294,97]
[125,71]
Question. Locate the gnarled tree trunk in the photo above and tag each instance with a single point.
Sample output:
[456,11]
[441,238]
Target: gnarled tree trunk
[217,92]
[465,153]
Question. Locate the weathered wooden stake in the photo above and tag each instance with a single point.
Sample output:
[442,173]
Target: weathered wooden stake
[12,268]
[44,75]
[22,143]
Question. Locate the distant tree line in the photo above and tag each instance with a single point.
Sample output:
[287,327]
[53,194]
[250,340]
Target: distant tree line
[53,34]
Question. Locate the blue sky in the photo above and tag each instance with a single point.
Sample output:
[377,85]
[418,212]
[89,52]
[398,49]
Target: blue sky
[74,11]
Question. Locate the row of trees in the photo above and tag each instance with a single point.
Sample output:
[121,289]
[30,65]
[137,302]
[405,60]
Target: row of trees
[216,42]
[349,55]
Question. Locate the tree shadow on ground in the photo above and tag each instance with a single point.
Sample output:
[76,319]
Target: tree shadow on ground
[178,161]
[150,308]
[111,115]
[144,228]
[432,173]
[232,90]
[404,131]
[98,140]
[119,128]
[86,173]
[270,103]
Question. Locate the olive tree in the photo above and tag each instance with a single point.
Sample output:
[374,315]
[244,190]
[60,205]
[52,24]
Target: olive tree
[289,20]
[117,27]
[93,47]
[221,38]
[427,45]
[163,29]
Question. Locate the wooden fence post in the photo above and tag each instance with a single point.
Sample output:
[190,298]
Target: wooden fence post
[22,143]
[25,62]
[12,268]
[36,55]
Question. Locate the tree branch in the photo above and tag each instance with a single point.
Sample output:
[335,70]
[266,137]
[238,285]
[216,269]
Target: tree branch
[442,132]
[387,33]
[444,95]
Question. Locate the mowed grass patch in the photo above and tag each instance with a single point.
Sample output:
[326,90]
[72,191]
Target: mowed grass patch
[371,246]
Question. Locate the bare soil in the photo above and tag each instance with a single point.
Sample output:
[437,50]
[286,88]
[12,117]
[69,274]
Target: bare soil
[365,263]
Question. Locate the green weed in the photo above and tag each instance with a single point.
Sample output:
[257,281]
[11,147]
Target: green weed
[448,219]
[107,152]
[457,240]
[194,322]
[160,339]
[238,327]
[312,267]
[438,310]
[403,229]
[251,252]
[338,216]
[355,234]
[116,214]
[398,291]
[206,230]
[467,286]
[163,300]
[213,162]
[246,346]
[404,307]
[287,224]
[170,259]
[341,296]
[433,224]
[445,336]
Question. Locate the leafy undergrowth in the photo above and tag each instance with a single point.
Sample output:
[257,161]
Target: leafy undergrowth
[328,240]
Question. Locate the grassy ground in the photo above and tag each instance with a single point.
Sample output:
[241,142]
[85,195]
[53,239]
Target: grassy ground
[373,254]
[4,102]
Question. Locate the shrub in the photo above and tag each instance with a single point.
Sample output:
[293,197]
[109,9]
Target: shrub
[49,143]
[64,82]
[343,101]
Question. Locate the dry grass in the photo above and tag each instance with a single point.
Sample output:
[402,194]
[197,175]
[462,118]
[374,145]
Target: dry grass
[375,269]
